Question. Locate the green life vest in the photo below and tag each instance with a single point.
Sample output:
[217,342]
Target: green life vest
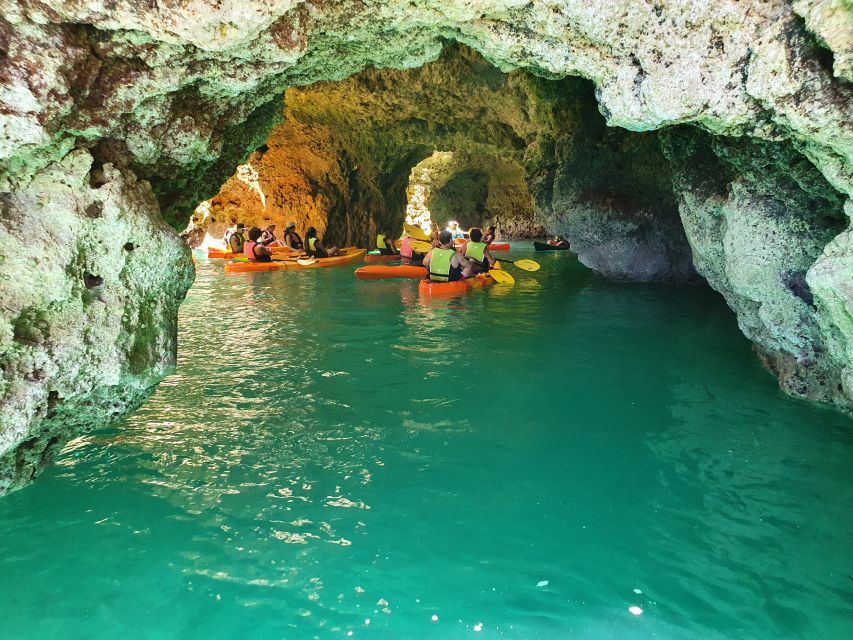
[475,250]
[439,264]
[380,241]
[311,242]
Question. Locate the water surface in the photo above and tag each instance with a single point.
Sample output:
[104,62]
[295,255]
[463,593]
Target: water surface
[336,459]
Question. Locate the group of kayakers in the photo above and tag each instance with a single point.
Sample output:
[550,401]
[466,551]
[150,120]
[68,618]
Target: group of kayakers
[257,244]
[447,260]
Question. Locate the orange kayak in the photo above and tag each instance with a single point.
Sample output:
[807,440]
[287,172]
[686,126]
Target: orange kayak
[213,252]
[439,289]
[350,255]
[378,257]
[384,272]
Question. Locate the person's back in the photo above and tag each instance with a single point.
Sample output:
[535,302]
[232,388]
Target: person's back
[384,245]
[255,251]
[478,252]
[291,238]
[237,240]
[444,262]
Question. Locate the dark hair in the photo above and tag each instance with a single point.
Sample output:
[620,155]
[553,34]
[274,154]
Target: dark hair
[475,234]
[254,234]
[491,228]
[445,237]
[310,232]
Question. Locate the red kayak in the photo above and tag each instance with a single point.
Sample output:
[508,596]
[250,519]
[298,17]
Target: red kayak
[378,257]
[384,272]
[499,246]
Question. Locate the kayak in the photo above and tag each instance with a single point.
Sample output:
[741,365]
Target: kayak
[350,255]
[495,246]
[544,246]
[378,257]
[439,289]
[384,272]
[213,252]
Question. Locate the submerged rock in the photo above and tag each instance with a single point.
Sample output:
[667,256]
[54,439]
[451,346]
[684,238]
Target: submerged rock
[749,187]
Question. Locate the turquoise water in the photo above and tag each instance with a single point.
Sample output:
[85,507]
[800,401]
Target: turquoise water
[334,457]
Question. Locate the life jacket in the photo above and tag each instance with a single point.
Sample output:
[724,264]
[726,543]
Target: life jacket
[475,251]
[439,264]
[236,240]
[406,247]
[249,252]
[310,249]
[380,241]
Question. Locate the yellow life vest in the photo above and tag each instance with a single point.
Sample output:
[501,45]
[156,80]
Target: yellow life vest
[475,251]
[439,264]
[311,242]
[380,241]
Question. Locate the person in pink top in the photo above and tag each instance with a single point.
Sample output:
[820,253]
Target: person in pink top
[255,251]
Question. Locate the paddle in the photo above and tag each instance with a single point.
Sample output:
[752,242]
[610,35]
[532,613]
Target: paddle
[421,247]
[416,232]
[306,261]
[501,277]
[527,265]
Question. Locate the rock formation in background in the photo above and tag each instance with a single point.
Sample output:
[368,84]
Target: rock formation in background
[727,151]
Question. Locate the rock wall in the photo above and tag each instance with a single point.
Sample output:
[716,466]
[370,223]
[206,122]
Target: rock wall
[176,94]
[92,280]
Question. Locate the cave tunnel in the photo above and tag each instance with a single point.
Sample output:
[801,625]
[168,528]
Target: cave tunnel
[331,455]
[532,155]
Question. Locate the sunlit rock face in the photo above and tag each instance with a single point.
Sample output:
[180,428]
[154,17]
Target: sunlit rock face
[167,98]
[92,279]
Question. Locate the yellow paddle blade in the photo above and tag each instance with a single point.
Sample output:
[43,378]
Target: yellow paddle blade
[421,247]
[527,265]
[501,277]
[416,232]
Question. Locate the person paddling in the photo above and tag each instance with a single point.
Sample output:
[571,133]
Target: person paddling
[255,251]
[268,237]
[408,255]
[490,235]
[236,239]
[385,246]
[291,238]
[445,264]
[433,236]
[315,249]
[477,253]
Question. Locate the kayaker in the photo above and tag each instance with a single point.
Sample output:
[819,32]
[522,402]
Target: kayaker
[385,246]
[433,236]
[477,253]
[445,263]
[315,249]
[455,231]
[291,238]
[236,239]
[559,241]
[490,235]
[255,251]
[268,237]
[408,255]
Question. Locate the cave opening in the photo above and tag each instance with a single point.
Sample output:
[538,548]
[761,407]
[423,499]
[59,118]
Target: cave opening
[535,156]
